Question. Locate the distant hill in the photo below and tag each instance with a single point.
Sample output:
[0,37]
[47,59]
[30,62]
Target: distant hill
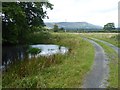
[73,25]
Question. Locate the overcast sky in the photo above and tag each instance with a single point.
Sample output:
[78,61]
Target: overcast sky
[98,12]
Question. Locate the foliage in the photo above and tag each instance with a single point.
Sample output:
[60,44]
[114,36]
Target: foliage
[109,26]
[19,17]
[42,37]
[61,29]
[34,51]
[56,29]
[38,29]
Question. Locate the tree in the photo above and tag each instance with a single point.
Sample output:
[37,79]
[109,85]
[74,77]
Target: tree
[11,19]
[19,18]
[109,26]
[62,29]
[56,29]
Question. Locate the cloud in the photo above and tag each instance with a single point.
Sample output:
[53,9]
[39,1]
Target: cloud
[97,12]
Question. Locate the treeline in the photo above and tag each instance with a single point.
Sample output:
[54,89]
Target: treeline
[90,31]
[108,28]
[21,19]
[101,31]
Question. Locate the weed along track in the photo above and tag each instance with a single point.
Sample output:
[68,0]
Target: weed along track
[112,53]
[96,77]
[108,44]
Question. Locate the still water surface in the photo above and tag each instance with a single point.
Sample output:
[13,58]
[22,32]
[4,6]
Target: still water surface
[11,54]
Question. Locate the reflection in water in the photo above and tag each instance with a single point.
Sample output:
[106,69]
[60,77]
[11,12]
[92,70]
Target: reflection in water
[11,54]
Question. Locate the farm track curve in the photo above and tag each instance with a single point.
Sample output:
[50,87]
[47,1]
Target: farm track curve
[98,75]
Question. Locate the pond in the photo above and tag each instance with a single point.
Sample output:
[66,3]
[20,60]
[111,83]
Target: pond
[49,50]
[11,54]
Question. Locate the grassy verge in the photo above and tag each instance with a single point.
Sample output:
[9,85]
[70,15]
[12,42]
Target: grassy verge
[113,65]
[113,38]
[42,37]
[57,71]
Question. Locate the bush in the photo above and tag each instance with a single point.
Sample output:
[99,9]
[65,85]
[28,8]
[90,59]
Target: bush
[34,51]
[42,37]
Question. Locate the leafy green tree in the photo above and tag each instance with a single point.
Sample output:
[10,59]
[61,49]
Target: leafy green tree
[109,26]
[62,29]
[56,29]
[20,18]
[12,18]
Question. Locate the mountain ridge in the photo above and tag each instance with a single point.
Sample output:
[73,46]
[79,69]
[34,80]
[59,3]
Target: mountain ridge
[73,25]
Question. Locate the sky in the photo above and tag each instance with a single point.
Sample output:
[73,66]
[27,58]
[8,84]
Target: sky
[98,12]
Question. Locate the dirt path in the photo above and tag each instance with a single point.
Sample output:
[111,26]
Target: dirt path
[108,44]
[96,77]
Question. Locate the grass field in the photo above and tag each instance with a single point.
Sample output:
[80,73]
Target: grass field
[57,71]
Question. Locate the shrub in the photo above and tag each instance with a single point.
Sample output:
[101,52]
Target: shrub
[34,51]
